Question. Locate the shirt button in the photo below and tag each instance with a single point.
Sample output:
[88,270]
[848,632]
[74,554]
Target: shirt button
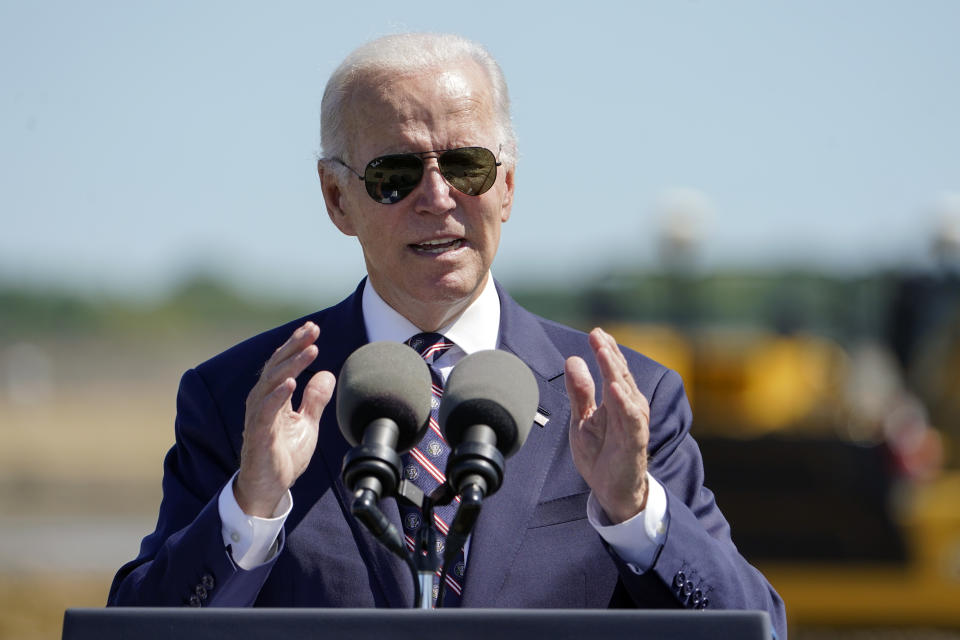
[207,582]
[194,600]
[201,592]
[235,536]
[688,588]
[679,579]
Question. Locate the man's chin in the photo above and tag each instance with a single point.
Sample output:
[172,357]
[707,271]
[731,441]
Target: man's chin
[445,297]
[457,287]
[437,289]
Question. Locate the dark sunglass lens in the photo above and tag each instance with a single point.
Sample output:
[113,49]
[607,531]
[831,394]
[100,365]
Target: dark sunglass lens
[390,179]
[471,170]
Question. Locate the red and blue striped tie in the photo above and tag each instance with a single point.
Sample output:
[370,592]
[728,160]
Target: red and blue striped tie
[424,466]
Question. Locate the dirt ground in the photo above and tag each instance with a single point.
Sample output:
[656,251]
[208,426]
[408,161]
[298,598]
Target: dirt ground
[83,433]
[32,605]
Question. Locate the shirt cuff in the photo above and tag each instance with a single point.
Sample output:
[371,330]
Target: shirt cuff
[252,541]
[637,540]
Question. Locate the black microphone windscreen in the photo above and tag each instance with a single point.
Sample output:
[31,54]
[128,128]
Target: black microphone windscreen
[384,380]
[495,388]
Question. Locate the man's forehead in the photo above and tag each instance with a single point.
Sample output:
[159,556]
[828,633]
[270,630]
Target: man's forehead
[434,101]
[463,82]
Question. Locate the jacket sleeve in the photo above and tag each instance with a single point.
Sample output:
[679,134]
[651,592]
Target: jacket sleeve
[698,566]
[184,561]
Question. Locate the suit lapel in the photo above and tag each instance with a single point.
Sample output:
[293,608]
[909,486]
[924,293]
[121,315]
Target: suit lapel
[498,534]
[342,332]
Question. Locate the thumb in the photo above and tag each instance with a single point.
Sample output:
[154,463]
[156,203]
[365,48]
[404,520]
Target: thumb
[580,389]
[317,394]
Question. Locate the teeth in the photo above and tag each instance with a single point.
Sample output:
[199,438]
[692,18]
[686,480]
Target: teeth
[437,246]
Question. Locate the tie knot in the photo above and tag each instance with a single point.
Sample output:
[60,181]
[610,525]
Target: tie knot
[429,345]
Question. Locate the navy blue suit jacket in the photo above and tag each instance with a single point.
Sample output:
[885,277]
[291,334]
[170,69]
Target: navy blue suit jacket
[532,546]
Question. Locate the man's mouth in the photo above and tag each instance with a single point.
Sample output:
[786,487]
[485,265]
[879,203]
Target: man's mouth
[438,246]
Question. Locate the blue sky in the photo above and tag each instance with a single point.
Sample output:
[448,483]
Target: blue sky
[140,141]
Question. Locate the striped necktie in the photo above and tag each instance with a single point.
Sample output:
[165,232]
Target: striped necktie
[424,466]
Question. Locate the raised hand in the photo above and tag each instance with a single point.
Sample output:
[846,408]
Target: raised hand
[278,442]
[609,442]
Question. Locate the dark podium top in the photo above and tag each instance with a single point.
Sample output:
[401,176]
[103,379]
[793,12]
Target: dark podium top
[377,624]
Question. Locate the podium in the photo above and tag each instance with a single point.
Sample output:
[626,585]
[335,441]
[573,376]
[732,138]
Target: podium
[129,623]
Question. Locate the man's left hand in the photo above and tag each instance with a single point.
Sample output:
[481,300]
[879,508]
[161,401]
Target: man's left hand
[609,442]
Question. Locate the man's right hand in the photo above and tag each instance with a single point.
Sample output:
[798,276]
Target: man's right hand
[278,442]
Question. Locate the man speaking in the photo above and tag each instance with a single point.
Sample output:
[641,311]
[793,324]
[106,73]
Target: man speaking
[603,506]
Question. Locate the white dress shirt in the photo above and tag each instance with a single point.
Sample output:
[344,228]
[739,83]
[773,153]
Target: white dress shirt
[253,541]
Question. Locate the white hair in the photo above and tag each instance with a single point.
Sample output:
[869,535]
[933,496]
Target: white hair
[403,54]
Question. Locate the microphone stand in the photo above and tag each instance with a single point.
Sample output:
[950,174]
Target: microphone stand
[475,469]
[366,509]
[467,513]
[369,470]
[426,558]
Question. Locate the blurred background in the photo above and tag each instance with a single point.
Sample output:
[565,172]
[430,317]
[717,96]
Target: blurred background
[764,196]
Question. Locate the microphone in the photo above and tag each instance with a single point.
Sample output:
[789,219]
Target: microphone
[383,407]
[488,407]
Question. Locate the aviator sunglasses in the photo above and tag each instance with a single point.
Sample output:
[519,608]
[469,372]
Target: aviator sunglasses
[391,178]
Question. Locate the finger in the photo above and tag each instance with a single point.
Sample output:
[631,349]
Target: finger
[306,334]
[274,401]
[600,338]
[580,388]
[269,376]
[316,396]
[292,367]
[603,340]
[613,368]
[613,364]
[627,415]
[629,408]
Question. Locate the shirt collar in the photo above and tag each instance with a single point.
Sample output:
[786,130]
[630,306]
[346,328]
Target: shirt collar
[476,329]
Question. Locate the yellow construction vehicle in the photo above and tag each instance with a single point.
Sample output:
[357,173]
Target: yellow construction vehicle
[834,481]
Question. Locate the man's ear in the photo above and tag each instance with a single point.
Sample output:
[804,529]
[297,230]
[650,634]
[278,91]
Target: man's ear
[334,198]
[507,204]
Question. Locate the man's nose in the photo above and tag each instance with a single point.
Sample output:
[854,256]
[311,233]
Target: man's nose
[434,194]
